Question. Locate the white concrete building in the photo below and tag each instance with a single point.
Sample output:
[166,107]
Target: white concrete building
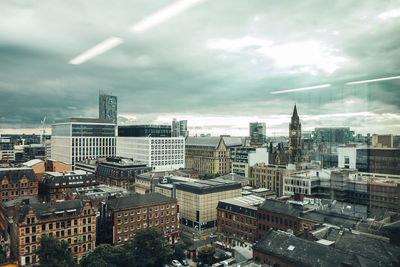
[347,157]
[77,139]
[162,153]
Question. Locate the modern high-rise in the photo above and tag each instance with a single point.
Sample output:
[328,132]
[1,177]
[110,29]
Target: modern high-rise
[179,128]
[77,139]
[6,149]
[257,133]
[108,106]
[295,138]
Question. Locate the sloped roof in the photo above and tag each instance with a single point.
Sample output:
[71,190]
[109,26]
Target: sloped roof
[206,142]
[138,200]
[303,252]
[46,211]
[17,173]
[233,141]
[281,207]
[32,162]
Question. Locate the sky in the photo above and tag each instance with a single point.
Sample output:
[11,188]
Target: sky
[216,64]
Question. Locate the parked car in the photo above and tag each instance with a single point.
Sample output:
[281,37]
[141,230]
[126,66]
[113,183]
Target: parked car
[184,262]
[176,263]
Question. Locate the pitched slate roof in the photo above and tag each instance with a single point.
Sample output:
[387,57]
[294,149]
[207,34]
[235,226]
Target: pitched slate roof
[76,177]
[17,173]
[281,208]
[204,142]
[45,211]
[138,200]
[303,252]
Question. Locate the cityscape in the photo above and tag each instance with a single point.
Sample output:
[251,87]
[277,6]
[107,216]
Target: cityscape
[199,133]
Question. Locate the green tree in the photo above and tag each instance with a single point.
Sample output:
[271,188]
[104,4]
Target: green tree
[106,255]
[206,254]
[149,248]
[179,250]
[54,253]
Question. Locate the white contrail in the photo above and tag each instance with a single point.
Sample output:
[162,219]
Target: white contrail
[96,50]
[374,80]
[162,15]
[301,89]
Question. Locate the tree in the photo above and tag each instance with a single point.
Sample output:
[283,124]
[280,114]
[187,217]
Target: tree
[106,255]
[149,248]
[206,254]
[179,250]
[54,253]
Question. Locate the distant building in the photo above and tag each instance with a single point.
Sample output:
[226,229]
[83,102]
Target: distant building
[267,176]
[77,139]
[127,215]
[179,128]
[72,221]
[237,219]
[6,149]
[55,186]
[198,200]
[244,158]
[18,182]
[108,108]
[385,141]
[208,155]
[339,135]
[34,151]
[144,131]
[295,138]
[160,153]
[120,172]
[258,133]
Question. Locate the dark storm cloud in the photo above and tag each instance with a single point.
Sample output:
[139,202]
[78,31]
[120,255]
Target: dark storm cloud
[188,66]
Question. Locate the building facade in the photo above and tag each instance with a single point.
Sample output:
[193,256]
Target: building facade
[258,133]
[108,108]
[267,176]
[144,131]
[198,201]
[244,158]
[179,128]
[160,153]
[207,155]
[6,149]
[127,215]
[120,172]
[237,219]
[56,186]
[77,139]
[72,221]
[18,182]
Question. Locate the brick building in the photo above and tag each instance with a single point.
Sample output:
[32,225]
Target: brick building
[72,221]
[278,215]
[57,166]
[120,172]
[17,182]
[237,219]
[55,186]
[127,215]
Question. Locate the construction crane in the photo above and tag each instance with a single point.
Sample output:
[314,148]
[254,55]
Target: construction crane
[43,130]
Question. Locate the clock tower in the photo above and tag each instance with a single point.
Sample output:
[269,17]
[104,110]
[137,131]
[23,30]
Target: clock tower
[295,138]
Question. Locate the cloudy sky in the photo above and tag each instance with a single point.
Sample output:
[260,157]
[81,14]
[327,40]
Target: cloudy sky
[216,64]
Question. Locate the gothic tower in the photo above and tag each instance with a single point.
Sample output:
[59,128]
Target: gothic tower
[295,138]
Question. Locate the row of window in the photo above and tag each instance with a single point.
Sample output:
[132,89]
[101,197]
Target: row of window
[132,219]
[144,210]
[167,141]
[16,185]
[275,220]
[63,233]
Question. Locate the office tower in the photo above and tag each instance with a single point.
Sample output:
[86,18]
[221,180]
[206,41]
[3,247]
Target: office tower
[77,139]
[257,133]
[6,149]
[295,138]
[108,106]
[179,128]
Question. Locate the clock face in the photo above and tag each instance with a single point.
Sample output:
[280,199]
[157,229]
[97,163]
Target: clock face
[293,132]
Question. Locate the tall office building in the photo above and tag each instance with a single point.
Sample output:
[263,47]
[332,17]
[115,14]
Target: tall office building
[108,106]
[179,128]
[295,137]
[144,131]
[77,139]
[258,133]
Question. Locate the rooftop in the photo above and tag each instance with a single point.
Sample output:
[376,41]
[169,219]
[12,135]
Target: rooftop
[281,207]
[138,200]
[207,186]
[249,202]
[16,173]
[85,120]
[303,252]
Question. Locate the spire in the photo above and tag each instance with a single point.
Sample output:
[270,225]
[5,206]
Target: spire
[295,112]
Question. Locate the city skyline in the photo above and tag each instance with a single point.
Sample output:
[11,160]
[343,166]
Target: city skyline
[218,74]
